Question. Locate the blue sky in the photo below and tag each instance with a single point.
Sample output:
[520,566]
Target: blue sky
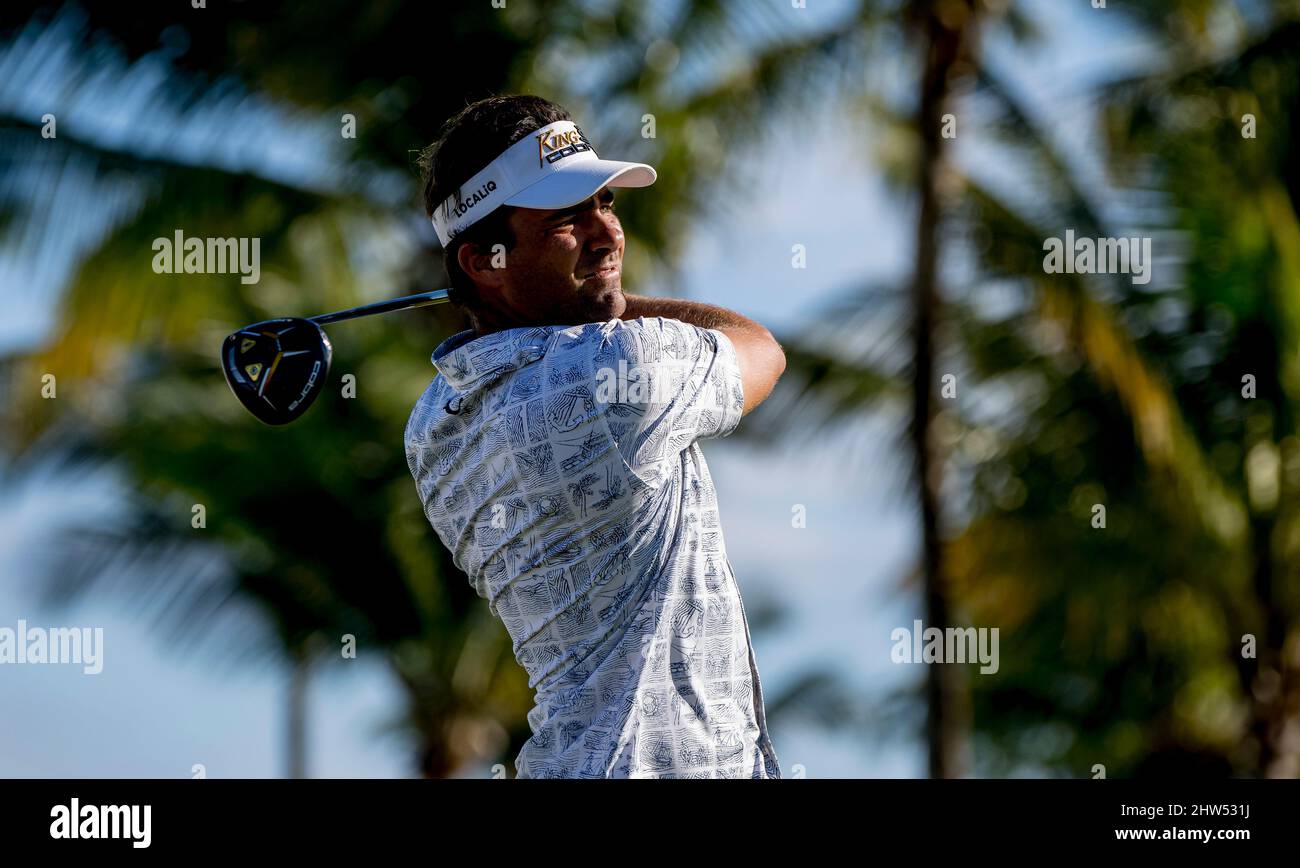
[152,714]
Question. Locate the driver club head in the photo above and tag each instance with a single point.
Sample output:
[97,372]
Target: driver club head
[277,367]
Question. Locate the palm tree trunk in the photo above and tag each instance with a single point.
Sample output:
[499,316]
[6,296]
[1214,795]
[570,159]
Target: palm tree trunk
[943,38]
[296,731]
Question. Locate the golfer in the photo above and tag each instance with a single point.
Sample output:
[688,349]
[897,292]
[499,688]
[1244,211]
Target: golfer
[557,456]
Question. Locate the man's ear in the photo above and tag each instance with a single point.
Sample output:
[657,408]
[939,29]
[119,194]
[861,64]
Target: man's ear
[477,264]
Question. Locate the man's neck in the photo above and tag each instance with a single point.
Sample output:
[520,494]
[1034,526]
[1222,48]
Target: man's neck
[486,323]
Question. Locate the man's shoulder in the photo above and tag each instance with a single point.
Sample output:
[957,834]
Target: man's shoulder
[647,340]
[430,407]
[601,343]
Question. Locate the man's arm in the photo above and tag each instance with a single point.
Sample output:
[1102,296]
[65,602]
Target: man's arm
[761,359]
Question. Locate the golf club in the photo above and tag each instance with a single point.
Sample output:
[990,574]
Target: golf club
[277,367]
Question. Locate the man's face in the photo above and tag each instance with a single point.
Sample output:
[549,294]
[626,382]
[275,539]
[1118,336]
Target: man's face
[566,267]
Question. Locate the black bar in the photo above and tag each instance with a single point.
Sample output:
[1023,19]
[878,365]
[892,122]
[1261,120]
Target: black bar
[1049,819]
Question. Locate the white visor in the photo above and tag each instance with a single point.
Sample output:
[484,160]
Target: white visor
[554,167]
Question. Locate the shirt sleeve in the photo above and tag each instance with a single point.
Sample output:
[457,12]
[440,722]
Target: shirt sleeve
[663,385]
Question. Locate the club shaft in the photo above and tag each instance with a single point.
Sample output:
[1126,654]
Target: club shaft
[403,303]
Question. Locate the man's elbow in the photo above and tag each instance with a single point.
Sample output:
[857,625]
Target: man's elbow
[779,358]
[765,362]
[775,355]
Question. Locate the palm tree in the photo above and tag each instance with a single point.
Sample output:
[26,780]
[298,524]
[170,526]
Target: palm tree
[1237,193]
[945,43]
[1129,646]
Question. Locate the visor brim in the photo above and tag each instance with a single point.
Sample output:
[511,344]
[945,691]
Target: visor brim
[578,181]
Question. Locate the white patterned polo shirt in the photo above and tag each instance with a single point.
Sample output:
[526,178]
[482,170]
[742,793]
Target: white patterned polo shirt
[561,467]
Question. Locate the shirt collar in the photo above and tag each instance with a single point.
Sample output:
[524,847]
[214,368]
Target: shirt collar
[467,362]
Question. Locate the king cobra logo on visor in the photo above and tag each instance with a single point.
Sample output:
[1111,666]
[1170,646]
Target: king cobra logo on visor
[560,145]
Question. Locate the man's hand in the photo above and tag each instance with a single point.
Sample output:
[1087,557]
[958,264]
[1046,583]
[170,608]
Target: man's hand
[761,359]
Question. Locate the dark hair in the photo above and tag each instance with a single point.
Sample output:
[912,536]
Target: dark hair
[465,145]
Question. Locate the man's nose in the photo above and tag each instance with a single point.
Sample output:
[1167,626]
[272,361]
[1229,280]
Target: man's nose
[604,232]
